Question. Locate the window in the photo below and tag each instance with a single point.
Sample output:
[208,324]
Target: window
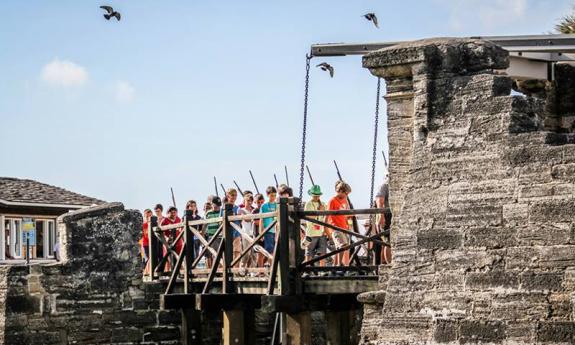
[13,233]
[52,238]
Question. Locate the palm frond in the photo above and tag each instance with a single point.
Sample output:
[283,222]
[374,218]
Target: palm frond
[566,25]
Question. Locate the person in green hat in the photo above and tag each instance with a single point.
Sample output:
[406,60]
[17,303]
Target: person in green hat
[316,239]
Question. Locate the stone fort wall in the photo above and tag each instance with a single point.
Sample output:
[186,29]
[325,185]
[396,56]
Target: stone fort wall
[483,195]
[94,296]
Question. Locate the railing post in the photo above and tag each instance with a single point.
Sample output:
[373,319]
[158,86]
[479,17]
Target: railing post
[228,248]
[188,251]
[296,252]
[283,247]
[154,246]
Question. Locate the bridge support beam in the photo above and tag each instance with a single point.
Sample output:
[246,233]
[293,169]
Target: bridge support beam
[239,327]
[191,327]
[298,328]
[338,326]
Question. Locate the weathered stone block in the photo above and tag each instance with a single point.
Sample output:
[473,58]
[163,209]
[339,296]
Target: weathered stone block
[493,279]
[546,281]
[481,331]
[556,332]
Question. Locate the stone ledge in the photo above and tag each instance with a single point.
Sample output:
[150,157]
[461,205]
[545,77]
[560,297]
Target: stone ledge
[94,211]
[444,55]
[371,297]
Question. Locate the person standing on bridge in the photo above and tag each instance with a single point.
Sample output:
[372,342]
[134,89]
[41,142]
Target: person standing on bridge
[383,223]
[146,240]
[340,239]
[230,199]
[212,228]
[172,234]
[193,206]
[159,210]
[259,201]
[248,228]
[270,206]
[314,234]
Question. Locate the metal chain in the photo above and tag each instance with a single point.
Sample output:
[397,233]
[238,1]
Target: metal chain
[374,157]
[304,129]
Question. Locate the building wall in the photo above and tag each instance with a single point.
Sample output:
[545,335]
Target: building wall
[483,193]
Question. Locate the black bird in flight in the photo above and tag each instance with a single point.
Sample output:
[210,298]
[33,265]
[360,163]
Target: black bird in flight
[111,13]
[326,67]
[372,18]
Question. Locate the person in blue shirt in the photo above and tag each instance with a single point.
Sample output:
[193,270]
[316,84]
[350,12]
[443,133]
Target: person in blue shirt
[270,206]
[230,199]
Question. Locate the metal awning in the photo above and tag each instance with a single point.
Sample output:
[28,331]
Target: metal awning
[546,47]
[531,56]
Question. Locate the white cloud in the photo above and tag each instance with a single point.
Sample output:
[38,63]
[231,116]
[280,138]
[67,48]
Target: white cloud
[64,73]
[124,92]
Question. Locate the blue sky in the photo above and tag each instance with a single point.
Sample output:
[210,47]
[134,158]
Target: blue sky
[180,91]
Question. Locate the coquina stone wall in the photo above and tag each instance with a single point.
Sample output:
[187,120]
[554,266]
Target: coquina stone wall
[483,195]
[94,296]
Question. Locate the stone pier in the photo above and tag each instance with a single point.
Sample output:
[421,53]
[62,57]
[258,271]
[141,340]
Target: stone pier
[483,196]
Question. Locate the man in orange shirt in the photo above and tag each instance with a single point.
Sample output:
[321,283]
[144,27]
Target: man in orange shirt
[340,239]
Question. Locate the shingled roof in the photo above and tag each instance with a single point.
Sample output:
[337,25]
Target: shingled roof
[21,191]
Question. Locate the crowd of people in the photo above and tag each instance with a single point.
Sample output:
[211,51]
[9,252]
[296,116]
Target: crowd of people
[316,239]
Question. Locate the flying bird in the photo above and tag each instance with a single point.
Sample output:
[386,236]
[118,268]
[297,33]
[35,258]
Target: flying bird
[326,67]
[372,18]
[111,13]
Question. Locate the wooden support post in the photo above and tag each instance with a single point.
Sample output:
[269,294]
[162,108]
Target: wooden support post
[191,327]
[296,252]
[233,333]
[155,248]
[298,328]
[189,252]
[228,249]
[283,247]
[338,325]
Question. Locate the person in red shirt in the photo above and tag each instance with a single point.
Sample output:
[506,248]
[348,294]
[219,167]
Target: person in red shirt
[172,234]
[145,248]
[340,239]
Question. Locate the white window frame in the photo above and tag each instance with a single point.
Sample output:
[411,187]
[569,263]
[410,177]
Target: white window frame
[12,245]
[49,248]
[47,254]
[2,238]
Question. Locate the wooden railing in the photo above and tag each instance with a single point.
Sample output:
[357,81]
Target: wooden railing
[284,275]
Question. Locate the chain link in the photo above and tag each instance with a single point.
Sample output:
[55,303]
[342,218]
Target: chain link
[304,129]
[374,157]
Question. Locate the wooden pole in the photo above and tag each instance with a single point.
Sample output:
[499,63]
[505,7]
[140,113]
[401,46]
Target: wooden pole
[189,251]
[254,181]
[216,186]
[283,247]
[173,197]
[298,328]
[338,327]
[228,248]
[234,327]
[191,327]
[154,247]
[296,252]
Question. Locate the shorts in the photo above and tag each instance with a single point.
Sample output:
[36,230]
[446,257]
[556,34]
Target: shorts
[269,242]
[146,255]
[237,245]
[317,246]
[340,239]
